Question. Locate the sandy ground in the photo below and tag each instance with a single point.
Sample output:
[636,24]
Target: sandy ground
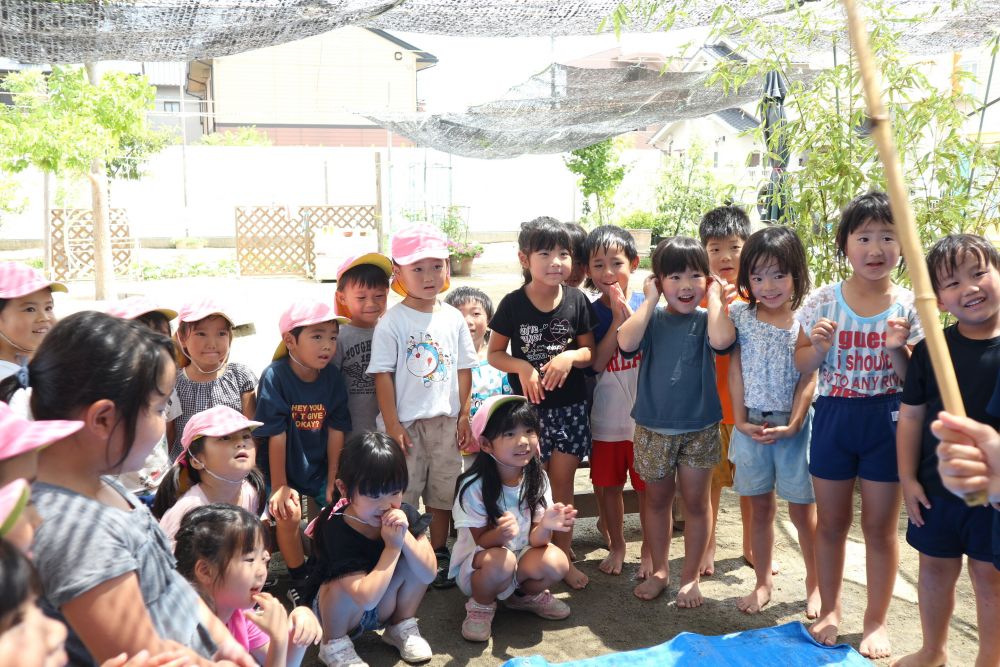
[606,616]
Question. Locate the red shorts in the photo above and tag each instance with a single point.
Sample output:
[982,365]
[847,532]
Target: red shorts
[610,462]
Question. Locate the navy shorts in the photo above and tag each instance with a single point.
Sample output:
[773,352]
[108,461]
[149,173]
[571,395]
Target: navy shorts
[952,529]
[566,430]
[855,437]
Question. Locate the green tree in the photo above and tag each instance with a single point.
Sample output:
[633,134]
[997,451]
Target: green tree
[686,190]
[72,122]
[600,175]
[248,135]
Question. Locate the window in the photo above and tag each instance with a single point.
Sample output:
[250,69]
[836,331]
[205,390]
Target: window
[754,159]
[172,107]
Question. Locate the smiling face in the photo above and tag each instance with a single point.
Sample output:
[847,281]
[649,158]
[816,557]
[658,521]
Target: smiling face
[770,286]
[244,577]
[207,341]
[315,345]
[724,256]
[231,456]
[873,250]
[514,447]
[683,290]
[366,304]
[609,267]
[25,321]
[548,267]
[972,292]
[423,279]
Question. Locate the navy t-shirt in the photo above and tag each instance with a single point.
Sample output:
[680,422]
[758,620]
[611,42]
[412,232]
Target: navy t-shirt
[303,411]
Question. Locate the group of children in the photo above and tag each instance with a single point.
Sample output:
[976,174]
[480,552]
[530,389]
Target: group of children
[724,370]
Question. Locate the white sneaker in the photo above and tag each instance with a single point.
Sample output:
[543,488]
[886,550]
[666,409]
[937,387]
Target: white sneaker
[340,653]
[405,636]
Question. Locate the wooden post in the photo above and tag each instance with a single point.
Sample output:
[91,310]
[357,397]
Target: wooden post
[905,223]
[104,270]
[378,201]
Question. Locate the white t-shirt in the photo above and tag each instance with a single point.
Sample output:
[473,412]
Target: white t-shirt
[7,368]
[470,512]
[170,522]
[424,351]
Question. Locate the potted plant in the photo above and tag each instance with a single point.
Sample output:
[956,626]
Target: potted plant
[461,254]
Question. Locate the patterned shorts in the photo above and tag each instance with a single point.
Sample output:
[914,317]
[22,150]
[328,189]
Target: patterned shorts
[657,455]
[565,429]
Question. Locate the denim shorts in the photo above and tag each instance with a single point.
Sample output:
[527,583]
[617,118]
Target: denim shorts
[783,466]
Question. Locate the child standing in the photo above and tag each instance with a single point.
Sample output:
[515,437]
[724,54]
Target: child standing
[578,243]
[477,309]
[942,527]
[677,408]
[373,560]
[206,377]
[611,259]
[303,416]
[25,313]
[422,360]
[362,290]
[505,519]
[856,333]
[548,327]
[772,405]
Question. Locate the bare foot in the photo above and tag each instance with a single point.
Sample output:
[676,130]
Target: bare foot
[645,566]
[612,563]
[576,579]
[812,603]
[689,595]
[775,565]
[875,643]
[707,567]
[824,630]
[925,657]
[755,601]
[651,588]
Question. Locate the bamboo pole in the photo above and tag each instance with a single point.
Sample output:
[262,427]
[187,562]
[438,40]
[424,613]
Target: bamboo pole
[905,224]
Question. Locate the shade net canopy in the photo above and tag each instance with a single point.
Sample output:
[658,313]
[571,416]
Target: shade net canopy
[73,31]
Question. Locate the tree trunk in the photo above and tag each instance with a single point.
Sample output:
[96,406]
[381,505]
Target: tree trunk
[104,270]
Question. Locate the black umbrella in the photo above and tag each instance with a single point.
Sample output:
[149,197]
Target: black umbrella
[771,205]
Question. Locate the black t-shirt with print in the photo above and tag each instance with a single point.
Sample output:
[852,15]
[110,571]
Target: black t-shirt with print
[537,337]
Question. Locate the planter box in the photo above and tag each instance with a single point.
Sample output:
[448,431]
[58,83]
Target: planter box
[461,267]
[643,240]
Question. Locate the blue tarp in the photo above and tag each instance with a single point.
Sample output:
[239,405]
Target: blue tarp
[788,645]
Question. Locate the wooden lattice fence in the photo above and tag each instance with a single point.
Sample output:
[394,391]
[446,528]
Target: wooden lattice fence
[72,241]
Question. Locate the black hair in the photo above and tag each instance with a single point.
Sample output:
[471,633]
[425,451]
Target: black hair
[543,233]
[947,253]
[18,580]
[678,254]
[605,238]
[297,331]
[869,207]
[216,533]
[722,222]
[460,296]
[90,356]
[154,320]
[367,276]
[506,417]
[578,242]
[783,246]
[3,304]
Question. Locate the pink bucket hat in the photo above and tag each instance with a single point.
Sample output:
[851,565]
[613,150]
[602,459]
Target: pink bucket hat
[18,435]
[195,311]
[13,499]
[414,243]
[135,306]
[17,280]
[214,422]
[304,314]
[373,258]
[486,410]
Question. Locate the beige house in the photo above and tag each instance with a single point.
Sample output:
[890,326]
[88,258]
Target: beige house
[307,92]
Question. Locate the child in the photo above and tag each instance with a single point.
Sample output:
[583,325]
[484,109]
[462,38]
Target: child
[422,360]
[548,327]
[723,231]
[206,378]
[28,638]
[21,440]
[477,309]
[577,242]
[856,333]
[942,528]
[677,408]
[145,481]
[25,313]
[303,416]
[218,464]
[611,259]
[362,288]
[220,550]
[505,519]
[772,405]
[98,549]
[373,559]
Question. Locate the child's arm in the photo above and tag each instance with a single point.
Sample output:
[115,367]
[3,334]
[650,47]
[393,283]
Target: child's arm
[334,444]
[304,630]
[558,518]
[812,349]
[968,456]
[500,359]
[557,369]
[896,334]
[248,400]
[721,332]
[464,432]
[367,590]
[909,432]
[504,531]
[801,401]
[283,497]
[420,557]
[608,345]
[631,332]
[737,396]
[272,619]
[385,394]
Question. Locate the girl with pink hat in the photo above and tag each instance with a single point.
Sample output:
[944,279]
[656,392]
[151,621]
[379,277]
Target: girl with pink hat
[25,313]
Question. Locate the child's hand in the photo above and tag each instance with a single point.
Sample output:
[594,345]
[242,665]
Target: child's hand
[559,518]
[821,335]
[284,502]
[897,332]
[507,526]
[270,617]
[463,435]
[770,434]
[725,289]
[394,527]
[557,370]
[398,433]
[752,431]
[914,498]
[303,627]
[175,658]
[531,385]
[968,456]
[620,310]
[651,288]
